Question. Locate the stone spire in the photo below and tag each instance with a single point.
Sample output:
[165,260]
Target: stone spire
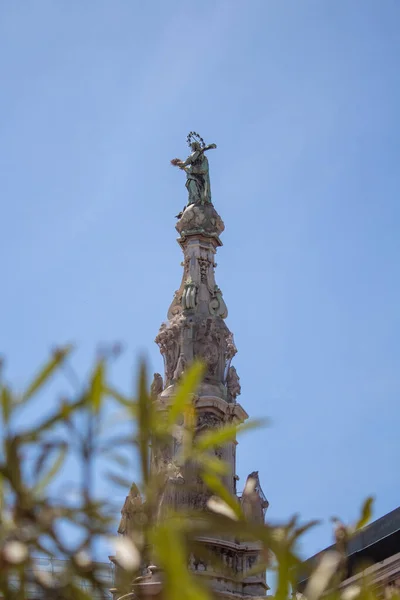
[195,329]
[196,326]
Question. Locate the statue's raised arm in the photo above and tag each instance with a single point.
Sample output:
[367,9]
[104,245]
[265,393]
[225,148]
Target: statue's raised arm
[196,169]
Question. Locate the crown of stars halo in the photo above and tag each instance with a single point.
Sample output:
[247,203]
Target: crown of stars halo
[195,137]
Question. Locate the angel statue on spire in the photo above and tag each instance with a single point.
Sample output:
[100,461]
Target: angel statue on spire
[196,169]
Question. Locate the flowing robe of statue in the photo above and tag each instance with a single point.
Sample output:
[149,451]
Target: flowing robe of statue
[198,178]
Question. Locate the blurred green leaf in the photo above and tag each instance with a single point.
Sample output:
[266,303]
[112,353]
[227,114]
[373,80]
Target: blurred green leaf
[211,464]
[188,386]
[366,513]
[97,386]
[171,536]
[119,480]
[116,441]
[227,433]
[120,459]
[282,588]
[188,430]
[58,461]
[6,404]
[145,410]
[322,575]
[215,485]
[2,495]
[210,523]
[178,580]
[65,411]
[45,453]
[304,528]
[120,398]
[45,373]
[12,468]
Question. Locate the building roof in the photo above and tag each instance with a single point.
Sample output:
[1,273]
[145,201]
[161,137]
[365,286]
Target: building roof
[375,542]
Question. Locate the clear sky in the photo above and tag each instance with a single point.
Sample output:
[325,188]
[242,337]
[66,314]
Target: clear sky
[302,99]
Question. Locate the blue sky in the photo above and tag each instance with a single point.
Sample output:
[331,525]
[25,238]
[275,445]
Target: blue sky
[302,100]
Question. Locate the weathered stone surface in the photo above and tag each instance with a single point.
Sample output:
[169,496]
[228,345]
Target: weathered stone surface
[200,219]
[233,384]
[189,336]
[253,500]
[130,511]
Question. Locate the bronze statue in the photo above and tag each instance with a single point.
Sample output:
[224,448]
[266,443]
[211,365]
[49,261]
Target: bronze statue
[197,171]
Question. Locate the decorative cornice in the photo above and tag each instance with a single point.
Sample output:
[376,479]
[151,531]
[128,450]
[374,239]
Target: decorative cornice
[248,547]
[379,571]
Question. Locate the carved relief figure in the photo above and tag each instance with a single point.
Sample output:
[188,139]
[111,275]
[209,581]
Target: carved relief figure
[162,456]
[219,452]
[156,386]
[196,169]
[174,473]
[233,384]
[132,505]
[209,343]
[207,420]
[168,340]
[204,265]
[217,304]
[231,349]
[175,307]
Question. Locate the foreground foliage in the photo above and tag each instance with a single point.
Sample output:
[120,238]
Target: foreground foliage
[37,517]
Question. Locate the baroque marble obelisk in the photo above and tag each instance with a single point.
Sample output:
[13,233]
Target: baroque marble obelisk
[196,328]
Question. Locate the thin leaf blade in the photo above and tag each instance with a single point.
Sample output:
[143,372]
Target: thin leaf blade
[97,386]
[52,471]
[227,433]
[45,373]
[188,386]
[366,513]
[215,485]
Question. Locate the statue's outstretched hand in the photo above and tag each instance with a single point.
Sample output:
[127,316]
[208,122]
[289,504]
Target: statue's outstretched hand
[176,162]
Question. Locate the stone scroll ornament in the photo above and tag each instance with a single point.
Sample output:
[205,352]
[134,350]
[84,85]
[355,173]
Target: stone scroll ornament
[197,171]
